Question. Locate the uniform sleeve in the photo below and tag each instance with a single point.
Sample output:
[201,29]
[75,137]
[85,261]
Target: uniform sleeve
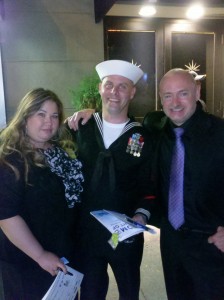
[148,204]
[11,192]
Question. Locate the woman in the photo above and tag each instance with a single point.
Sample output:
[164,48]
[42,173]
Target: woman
[39,187]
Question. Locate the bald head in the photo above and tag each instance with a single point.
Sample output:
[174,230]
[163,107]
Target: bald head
[177,72]
[179,94]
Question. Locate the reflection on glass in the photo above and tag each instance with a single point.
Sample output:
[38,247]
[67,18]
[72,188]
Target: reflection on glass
[199,48]
[137,47]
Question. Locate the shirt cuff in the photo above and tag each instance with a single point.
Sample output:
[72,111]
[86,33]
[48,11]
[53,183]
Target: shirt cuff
[144,212]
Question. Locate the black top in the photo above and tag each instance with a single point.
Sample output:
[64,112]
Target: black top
[41,203]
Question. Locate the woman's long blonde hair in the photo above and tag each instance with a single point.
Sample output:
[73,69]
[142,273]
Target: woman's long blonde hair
[13,138]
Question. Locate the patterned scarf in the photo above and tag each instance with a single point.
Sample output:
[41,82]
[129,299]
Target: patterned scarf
[69,169]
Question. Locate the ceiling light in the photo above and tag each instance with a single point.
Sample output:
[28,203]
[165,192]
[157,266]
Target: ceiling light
[147,11]
[195,12]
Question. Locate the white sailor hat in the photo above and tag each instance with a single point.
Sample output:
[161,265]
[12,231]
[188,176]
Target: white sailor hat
[196,76]
[121,68]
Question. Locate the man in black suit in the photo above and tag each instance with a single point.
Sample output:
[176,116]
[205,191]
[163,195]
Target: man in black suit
[192,254]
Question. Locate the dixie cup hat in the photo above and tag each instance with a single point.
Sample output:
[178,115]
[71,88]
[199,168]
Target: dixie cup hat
[196,76]
[121,68]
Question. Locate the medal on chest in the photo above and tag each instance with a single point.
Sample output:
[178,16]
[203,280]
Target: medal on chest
[135,144]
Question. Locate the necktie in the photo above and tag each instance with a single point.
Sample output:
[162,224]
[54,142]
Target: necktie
[176,206]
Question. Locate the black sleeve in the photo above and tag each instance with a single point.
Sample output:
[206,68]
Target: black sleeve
[11,190]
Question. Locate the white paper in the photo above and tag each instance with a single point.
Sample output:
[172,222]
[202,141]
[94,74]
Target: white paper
[115,225]
[64,286]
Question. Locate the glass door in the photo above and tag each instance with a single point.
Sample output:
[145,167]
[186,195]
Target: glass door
[137,47]
[198,45]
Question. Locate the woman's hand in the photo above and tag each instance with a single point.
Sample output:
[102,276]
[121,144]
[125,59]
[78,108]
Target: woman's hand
[51,263]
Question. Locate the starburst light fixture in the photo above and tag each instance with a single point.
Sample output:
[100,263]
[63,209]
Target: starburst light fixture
[193,66]
[135,63]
